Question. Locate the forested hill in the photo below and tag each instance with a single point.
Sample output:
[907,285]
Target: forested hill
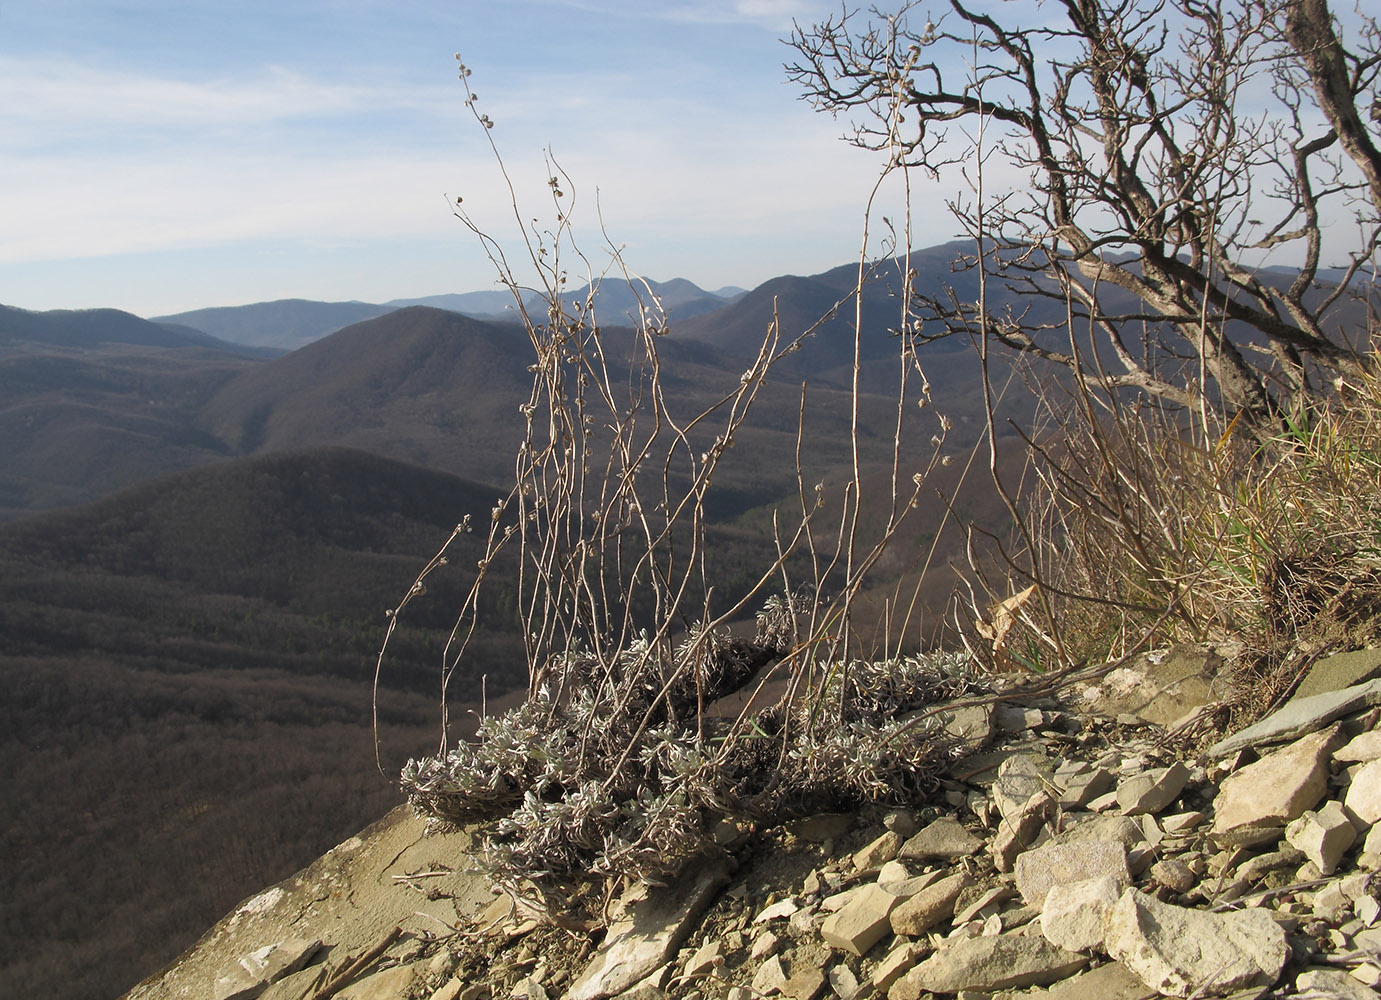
[185,695]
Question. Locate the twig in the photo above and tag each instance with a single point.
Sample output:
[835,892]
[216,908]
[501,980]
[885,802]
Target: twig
[356,967]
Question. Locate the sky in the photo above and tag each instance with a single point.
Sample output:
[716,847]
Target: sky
[159,156]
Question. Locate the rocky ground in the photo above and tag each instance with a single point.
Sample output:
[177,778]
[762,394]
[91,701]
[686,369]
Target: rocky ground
[1081,851]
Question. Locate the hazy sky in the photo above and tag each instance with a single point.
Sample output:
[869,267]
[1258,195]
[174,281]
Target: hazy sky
[162,156]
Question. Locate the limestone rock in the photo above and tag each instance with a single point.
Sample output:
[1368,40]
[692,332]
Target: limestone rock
[1361,748]
[1276,789]
[1082,784]
[386,985]
[264,966]
[1173,874]
[1111,829]
[1075,915]
[895,964]
[916,915]
[1062,863]
[647,935]
[1323,836]
[945,838]
[879,852]
[1151,791]
[1161,686]
[1333,984]
[1019,830]
[1340,671]
[704,959]
[843,982]
[905,888]
[805,984]
[770,977]
[1178,951]
[985,964]
[862,923]
[1110,981]
[1019,777]
[1363,799]
[971,725]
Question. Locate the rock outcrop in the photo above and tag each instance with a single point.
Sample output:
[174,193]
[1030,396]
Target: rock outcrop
[1074,854]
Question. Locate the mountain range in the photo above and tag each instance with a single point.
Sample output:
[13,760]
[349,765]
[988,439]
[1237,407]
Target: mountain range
[288,324]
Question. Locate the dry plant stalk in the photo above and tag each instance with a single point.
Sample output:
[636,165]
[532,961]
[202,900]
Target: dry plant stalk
[620,762]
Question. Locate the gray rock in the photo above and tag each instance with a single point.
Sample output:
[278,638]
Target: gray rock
[1331,984]
[1020,777]
[985,964]
[1179,951]
[1060,863]
[648,934]
[946,838]
[1302,715]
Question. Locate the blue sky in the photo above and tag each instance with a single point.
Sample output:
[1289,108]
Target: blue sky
[163,156]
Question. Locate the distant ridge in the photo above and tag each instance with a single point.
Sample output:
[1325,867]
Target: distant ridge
[285,324]
[90,328]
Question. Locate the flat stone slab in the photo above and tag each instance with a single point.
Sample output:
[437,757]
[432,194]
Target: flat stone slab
[1302,715]
[946,838]
[986,964]
[1182,952]
[1339,671]
[863,922]
[648,934]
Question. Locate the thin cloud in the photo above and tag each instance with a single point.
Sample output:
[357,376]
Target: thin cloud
[39,98]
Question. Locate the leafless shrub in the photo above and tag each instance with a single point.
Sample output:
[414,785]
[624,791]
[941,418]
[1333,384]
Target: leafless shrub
[1206,431]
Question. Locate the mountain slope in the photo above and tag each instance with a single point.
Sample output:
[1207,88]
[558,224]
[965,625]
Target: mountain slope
[185,696]
[796,304]
[79,423]
[417,384]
